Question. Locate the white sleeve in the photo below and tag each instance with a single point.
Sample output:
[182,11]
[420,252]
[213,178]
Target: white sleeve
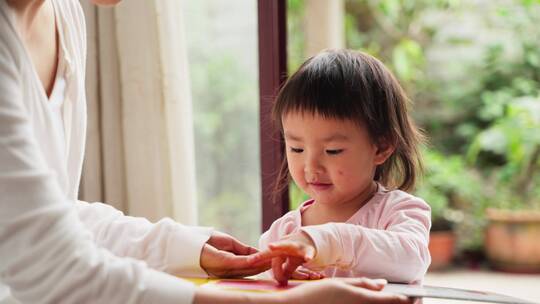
[398,253]
[46,254]
[166,245]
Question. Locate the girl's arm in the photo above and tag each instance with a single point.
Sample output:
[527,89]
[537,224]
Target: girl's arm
[397,252]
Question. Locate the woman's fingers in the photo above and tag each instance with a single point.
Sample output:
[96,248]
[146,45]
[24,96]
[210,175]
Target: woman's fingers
[223,241]
[379,297]
[241,248]
[372,284]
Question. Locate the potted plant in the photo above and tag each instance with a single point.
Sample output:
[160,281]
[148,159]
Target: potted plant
[448,186]
[442,238]
[513,229]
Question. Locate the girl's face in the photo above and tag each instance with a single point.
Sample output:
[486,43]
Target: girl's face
[331,160]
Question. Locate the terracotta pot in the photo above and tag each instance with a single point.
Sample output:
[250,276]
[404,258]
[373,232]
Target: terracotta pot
[441,248]
[512,240]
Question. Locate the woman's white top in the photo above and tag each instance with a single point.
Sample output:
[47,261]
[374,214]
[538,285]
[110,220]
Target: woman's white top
[53,248]
[56,101]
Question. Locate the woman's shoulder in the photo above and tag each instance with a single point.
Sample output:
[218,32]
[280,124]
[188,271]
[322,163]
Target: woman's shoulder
[11,50]
[73,28]
[71,10]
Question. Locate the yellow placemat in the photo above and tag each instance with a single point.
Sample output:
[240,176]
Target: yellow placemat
[249,285]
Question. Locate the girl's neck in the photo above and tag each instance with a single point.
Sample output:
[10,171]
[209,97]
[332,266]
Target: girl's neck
[324,213]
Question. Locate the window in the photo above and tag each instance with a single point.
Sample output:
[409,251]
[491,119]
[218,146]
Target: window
[223,65]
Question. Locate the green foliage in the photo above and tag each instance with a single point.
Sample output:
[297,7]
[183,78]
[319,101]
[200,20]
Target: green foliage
[296,195]
[479,102]
[448,185]
[408,60]
[295,32]
[514,137]
[455,193]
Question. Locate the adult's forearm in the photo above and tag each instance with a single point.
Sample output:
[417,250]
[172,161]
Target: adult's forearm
[210,296]
[166,245]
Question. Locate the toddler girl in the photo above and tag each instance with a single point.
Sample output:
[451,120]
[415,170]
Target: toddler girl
[352,147]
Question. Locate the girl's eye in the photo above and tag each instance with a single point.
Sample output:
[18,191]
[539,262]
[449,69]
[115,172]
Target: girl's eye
[296,150]
[334,152]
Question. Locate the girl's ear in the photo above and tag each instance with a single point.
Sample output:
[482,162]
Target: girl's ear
[384,151]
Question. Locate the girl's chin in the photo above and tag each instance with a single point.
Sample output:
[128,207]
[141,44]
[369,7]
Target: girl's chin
[323,199]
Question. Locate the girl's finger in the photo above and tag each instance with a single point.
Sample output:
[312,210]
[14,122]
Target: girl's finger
[277,269]
[299,275]
[310,274]
[293,249]
[276,251]
[315,275]
[291,265]
[264,255]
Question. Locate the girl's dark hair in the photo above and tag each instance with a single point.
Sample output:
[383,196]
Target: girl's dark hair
[351,85]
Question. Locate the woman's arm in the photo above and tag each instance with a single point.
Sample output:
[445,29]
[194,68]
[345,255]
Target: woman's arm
[166,245]
[46,255]
[342,291]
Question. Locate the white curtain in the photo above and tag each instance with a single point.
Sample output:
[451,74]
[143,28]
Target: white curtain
[323,24]
[140,147]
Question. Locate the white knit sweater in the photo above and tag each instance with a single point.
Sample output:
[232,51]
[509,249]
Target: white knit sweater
[53,248]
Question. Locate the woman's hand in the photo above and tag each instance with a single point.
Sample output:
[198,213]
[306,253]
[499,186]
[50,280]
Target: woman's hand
[223,241]
[287,255]
[225,256]
[343,291]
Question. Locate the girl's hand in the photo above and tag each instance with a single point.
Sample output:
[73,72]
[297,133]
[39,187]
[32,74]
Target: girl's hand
[306,274]
[287,255]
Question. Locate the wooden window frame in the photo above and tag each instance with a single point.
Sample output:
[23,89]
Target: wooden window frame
[272,30]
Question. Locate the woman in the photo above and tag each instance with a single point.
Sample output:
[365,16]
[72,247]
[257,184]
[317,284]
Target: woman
[54,248]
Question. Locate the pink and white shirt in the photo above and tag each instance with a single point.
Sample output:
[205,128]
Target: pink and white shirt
[386,238]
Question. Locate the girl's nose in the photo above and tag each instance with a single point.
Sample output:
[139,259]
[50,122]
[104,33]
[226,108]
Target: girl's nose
[313,165]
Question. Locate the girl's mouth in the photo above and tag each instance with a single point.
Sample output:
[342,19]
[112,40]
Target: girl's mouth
[320,186]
